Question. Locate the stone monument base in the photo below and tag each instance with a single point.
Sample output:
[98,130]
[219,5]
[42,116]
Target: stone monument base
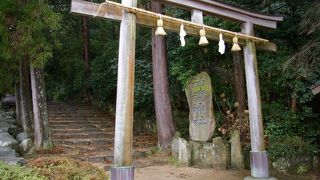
[123,173]
[204,154]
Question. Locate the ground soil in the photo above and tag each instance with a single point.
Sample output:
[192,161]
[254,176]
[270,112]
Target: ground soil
[158,166]
[170,172]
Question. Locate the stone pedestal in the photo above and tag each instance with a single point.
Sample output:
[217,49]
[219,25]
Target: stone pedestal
[212,155]
[196,152]
[259,164]
[122,173]
[253,178]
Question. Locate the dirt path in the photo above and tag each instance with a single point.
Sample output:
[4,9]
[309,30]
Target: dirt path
[170,172]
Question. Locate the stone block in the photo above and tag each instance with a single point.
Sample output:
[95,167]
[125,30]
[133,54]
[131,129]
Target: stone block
[175,145]
[184,152]
[219,154]
[196,148]
[7,140]
[7,152]
[22,136]
[26,146]
[207,155]
[236,151]
[14,160]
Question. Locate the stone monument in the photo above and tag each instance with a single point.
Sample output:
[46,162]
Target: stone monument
[201,119]
[201,150]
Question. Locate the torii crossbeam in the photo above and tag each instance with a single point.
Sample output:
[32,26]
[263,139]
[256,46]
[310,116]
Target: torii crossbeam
[122,164]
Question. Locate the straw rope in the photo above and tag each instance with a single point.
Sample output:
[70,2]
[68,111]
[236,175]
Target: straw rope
[143,12]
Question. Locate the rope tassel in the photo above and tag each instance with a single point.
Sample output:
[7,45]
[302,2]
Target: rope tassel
[160,31]
[203,39]
[182,34]
[235,46]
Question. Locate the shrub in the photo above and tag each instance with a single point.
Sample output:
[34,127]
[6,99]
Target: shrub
[9,172]
[63,168]
[287,132]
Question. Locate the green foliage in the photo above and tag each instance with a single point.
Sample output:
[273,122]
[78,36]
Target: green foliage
[181,122]
[9,172]
[289,147]
[27,31]
[288,133]
[173,161]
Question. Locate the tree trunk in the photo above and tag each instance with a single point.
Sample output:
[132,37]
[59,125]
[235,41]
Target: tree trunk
[42,136]
[239,82]
[163,108]
[294,102]
[86,41]
[86,50]
[25,97]
[18,104]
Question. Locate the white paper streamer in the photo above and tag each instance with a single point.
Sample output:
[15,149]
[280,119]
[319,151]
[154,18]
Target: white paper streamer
[182,35]
[222,46]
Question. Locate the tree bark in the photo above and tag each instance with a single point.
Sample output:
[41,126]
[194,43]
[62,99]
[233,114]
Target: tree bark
[25,96]
[163,107]
[86,42]
[42,138]
[18,104]
[239,82]
[294,102]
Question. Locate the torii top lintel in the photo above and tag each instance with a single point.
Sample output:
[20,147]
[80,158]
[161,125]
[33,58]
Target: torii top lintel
[112,10]
[226,11]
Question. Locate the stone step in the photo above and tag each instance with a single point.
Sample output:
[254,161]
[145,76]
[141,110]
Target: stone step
[87,134]
[89,148]
[82,120]
[88,123]
[75,112]
[80,126]
[72,117]
[82,136]
[84,141]
[78,132]
[88,129]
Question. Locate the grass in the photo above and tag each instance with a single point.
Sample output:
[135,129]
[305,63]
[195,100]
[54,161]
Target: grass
[173,161]
[47,168]
[9,172]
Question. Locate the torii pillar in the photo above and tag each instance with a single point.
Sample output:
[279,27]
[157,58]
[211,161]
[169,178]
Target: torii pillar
[258,155]
[122,168]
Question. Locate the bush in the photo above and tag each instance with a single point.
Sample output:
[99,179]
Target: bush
[52,168]
[289,147]
[288,134]
[63,168]
[9,172]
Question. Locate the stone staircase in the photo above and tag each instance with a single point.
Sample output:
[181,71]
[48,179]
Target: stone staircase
[87,134]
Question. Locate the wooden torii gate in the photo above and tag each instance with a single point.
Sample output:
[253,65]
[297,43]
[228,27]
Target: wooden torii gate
[122,164]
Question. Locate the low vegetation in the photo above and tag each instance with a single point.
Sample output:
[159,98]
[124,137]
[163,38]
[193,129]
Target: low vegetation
[47,168]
